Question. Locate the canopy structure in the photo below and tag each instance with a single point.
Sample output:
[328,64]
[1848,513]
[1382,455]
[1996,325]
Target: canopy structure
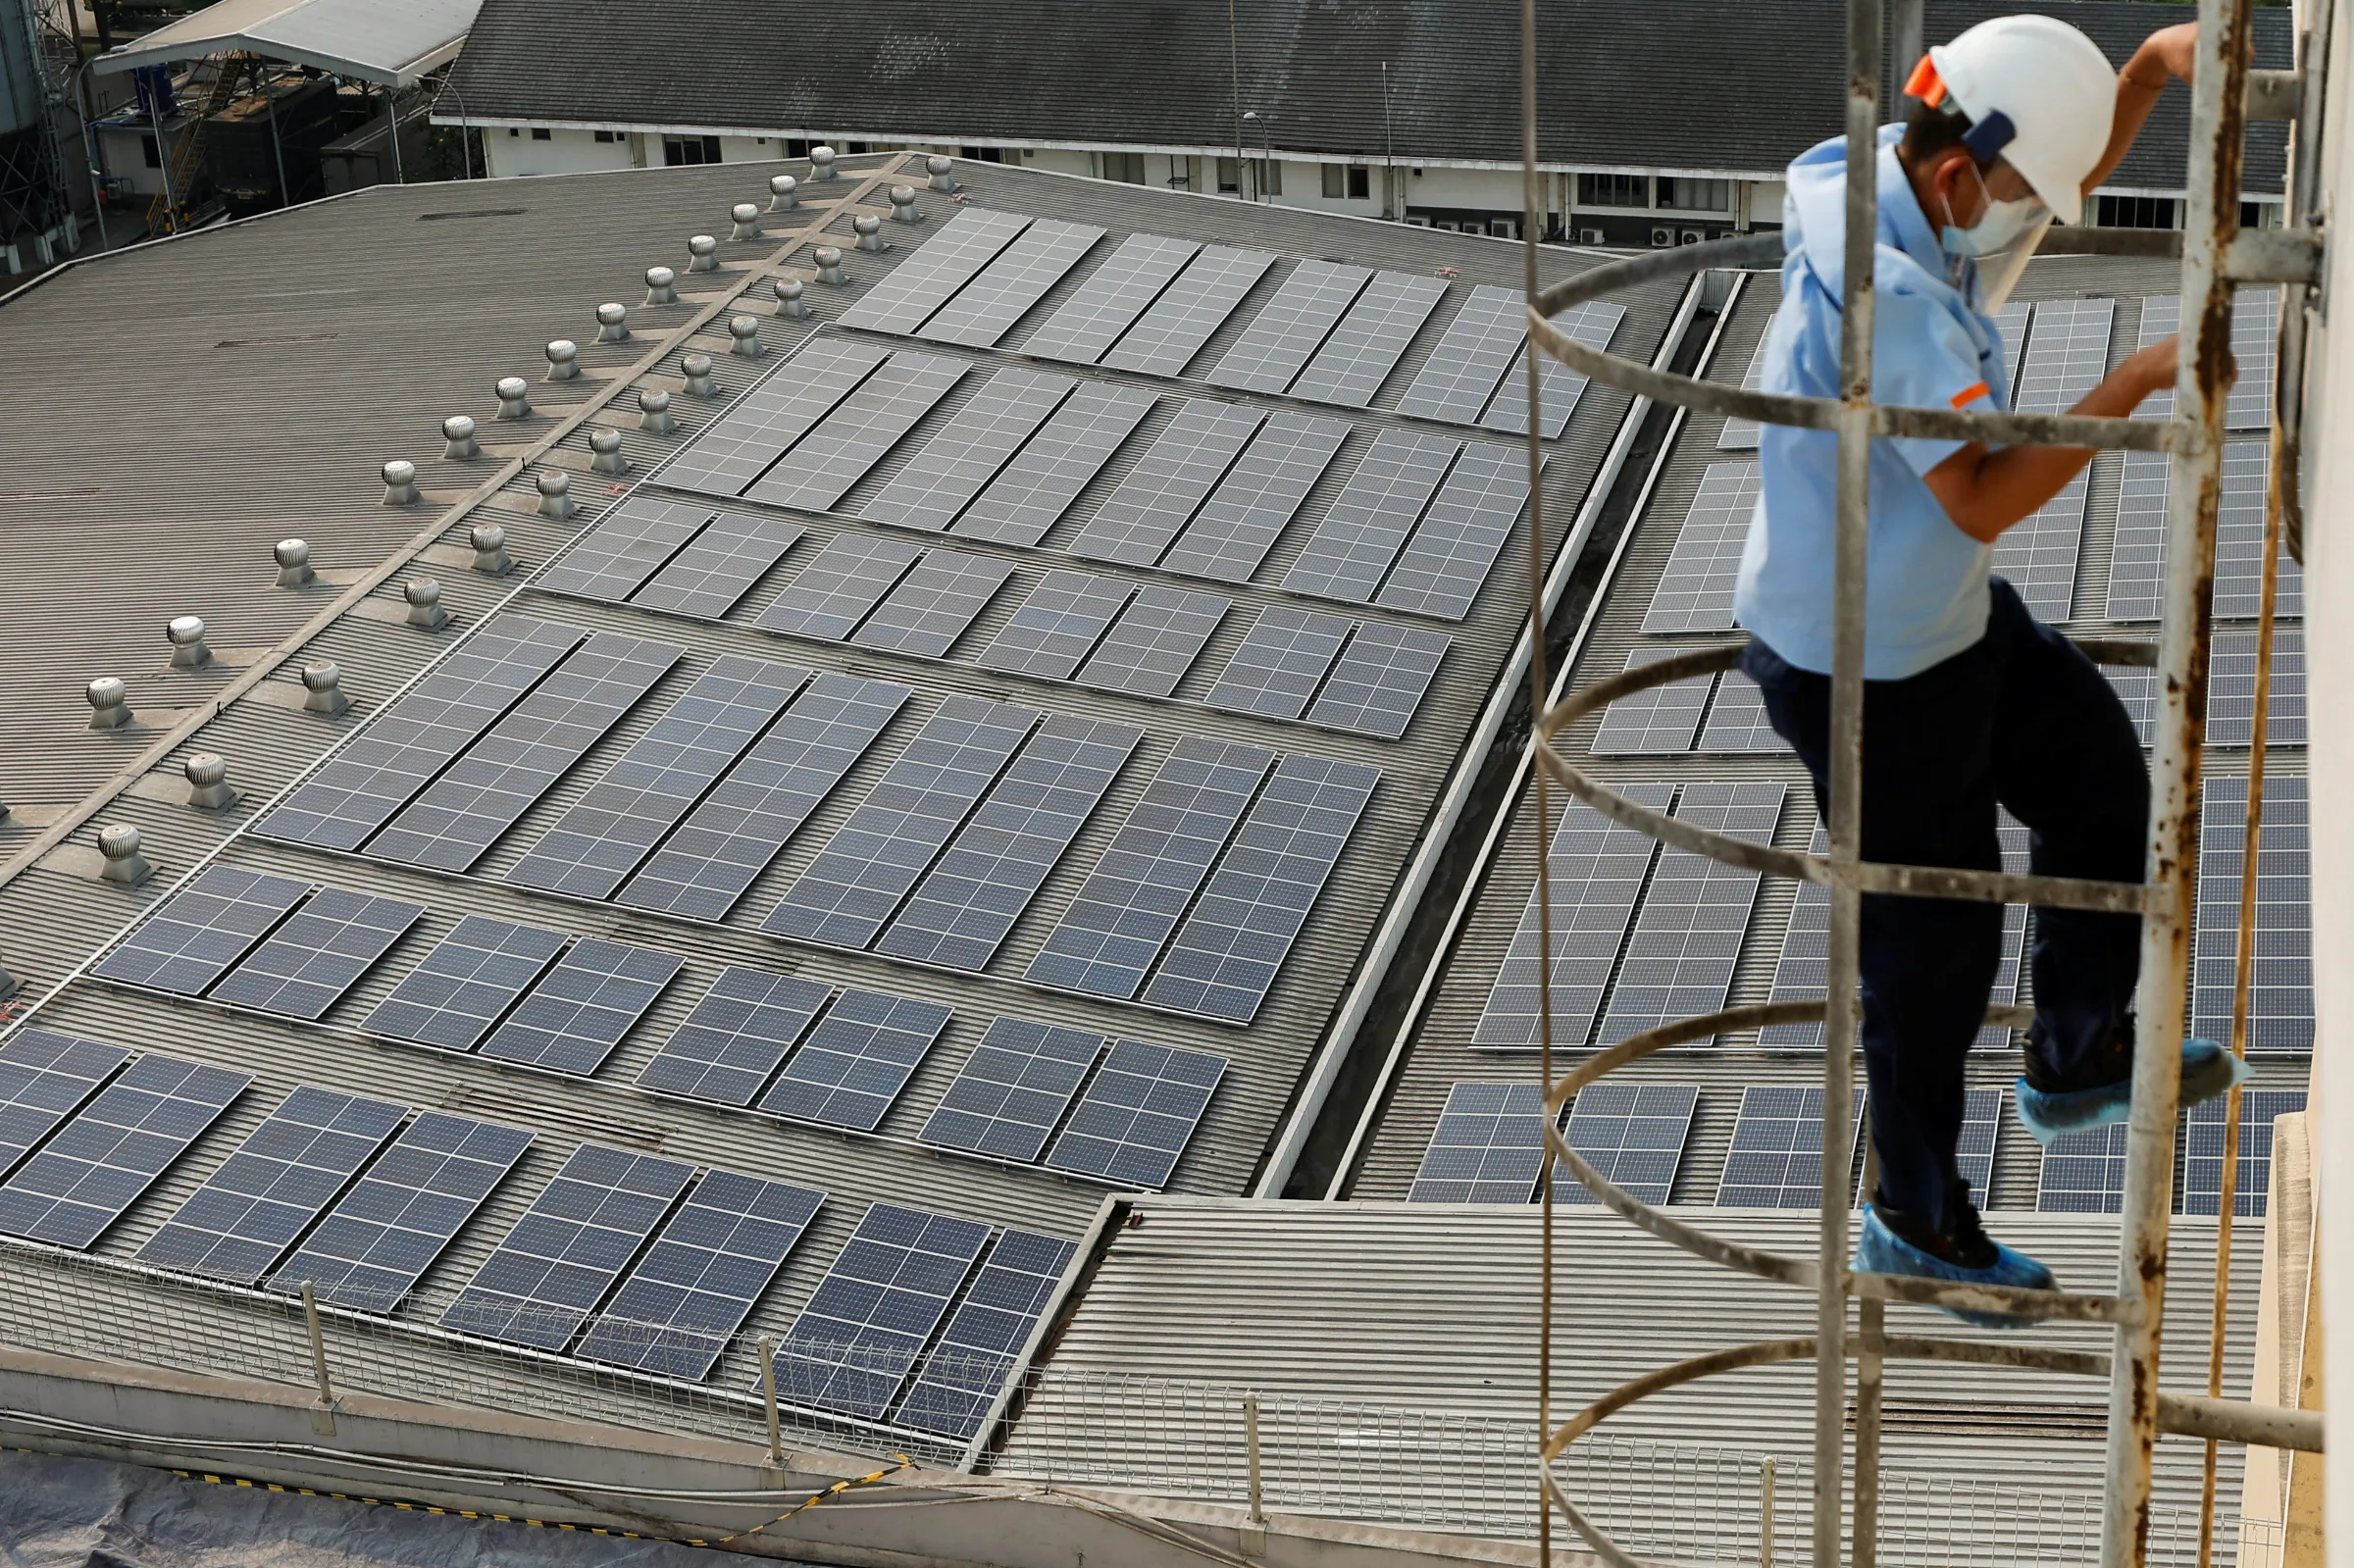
[389,41]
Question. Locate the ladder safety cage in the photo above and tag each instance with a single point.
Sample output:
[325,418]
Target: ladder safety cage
[2216,255]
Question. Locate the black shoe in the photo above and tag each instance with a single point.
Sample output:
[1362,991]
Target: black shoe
[1965,1245]
[2109,1062]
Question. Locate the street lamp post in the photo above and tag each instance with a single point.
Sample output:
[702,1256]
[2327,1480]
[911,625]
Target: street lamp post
[1266,156]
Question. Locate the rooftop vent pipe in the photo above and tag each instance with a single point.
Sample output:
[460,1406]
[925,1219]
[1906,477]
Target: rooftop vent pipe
[188,651]
[490,557]
[555,495]
[697,368]
[789,302]
[829,266]
[745,329]
[457,439]
[606,445]
[747,219]
[293,557]
[208,781]
[401,482]
[870,234]
[783,194]
[654,412]
[322,688]
[119,843]
[658,286]
[613,324]
[942,170]
[425,604]
[903,205]
[563,360]
[109,707]
[703,254]
[514,398]
[821,162]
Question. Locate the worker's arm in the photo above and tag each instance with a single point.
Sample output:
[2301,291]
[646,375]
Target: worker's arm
[1986,489]
[2164,55]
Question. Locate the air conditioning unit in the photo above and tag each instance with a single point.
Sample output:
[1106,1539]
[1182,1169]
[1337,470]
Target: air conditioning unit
[1590,236]
[1693,237]
[1450,225]
[1662,238]
[1417,221]
[1505,228]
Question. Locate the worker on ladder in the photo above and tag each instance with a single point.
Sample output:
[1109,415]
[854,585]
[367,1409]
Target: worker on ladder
[1969,702]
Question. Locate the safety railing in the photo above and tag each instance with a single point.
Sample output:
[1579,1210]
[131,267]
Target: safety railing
[1849,1505]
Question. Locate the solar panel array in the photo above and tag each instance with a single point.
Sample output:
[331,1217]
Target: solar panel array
[1417,525]
[1154,641]
[1688,937]
[959,1382]
[1477,374]
[736,449]
[855,1062]
[1775,1161]
[2137,568]
[2084,1173]
[317,953]
[2066,354]
[1633,1135]
[580,1011]
[466,983]
[1743,435]
[671,555]
[1661,719]
[98,1164]
[46,1076]
[953,257]
[1012,1093]
[2232,690]
[2280,1015]
[1489,1146]
[1695,592]
[736,1037]
[2255,336]
[1357,359]
[2203,1152]
[1982,1128]
[199,932]
[1137,1114]
[869,1318]
[818,470]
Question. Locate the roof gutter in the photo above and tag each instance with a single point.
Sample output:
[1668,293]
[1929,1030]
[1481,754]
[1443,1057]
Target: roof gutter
[1326,1070]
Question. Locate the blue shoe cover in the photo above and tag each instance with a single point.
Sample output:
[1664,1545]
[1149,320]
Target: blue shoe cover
[1880,1250]
[2207,1070]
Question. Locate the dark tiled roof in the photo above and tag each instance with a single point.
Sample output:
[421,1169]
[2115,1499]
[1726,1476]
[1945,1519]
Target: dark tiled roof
[1702,84]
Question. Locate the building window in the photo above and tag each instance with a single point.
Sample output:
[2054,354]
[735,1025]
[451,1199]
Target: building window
[1128,168]
[516,132]
[2133,212]
[1336,177]
[609,135]
[1614,191]
[1230,175]
[677,150]
[796,147]
[154,154]
[1696,195]
[1360,184]
[982,155]
[542,134]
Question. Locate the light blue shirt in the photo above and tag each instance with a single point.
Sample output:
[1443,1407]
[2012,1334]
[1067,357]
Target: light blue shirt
[1925,596]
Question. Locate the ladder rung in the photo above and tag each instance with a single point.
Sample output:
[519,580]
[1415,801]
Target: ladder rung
[2060,1306]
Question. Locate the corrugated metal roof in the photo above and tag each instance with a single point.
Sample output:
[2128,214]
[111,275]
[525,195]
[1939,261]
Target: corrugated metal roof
[373,40]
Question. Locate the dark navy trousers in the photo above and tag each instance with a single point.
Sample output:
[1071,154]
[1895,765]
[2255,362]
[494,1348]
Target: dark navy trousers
[2022,719]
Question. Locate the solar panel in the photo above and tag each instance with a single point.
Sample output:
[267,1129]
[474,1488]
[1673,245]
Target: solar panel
[1011,1091]
[729,839]
[2240,539]
[1226,954]
[1380,679]
[613,559]
[824,464]
[2137,692]
[99,1163]
[933,604]
[962,1375]
[697,1283]
[960,913]
[1489,1146]
[460,815]
[2084,1173]
[2255,330]
[2012,321]
[867,1321]
[1442,568]
[539,1284]
[1280,662]
[1663,719]
[1256,500]
[857,1059]
[1592,326]
[1138,522]
[857,880]
[319,953]
[1102,308]
[987,307]
[572,1017]
[2203,1152]
[1743,435]
[1137,1114]
[1369,521]
[937,269]
[1737,720]
[1058,626]
[2232,690]
[201,931]
[965,453]
[1775,1161]
[2137,562]
[1595,870]
[738,447]
[1464,370]
[1633,1135]
[2039,553]
[1696,590]
[839,588]
[44,1078]
[1982,1126]
[603,837]
[466,983]
[1033,491]
[383,1234]
[737,1034]
[710,577]
[2280,1018]
[1688,933]
[1155,641]
[391,760]
[1357,358]
[1131,900]
[1174,326]
[251,1210]
[1290,327]
[2068,353]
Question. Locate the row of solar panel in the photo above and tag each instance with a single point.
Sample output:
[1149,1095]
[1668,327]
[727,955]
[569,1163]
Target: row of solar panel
[322,1192]
[1331,334]
[497,988]
[1101,631]
[1487,1148]
[1416,526]
[1675,958]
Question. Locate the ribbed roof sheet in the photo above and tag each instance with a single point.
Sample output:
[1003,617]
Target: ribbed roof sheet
[389,41]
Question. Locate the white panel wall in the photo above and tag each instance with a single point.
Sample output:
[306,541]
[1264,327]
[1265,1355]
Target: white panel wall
[565,152]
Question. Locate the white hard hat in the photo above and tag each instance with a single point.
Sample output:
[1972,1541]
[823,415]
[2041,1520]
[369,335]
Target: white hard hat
[2041,81]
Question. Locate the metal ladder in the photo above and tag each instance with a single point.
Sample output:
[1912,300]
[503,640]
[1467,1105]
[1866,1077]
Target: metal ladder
[2217,255]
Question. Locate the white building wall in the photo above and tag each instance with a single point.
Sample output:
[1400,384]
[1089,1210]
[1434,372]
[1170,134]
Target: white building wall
[511,151]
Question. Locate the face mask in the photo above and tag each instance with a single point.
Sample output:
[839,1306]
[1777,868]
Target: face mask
[1997,228]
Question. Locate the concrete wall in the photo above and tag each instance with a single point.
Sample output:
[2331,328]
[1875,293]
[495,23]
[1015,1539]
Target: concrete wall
[514,150]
